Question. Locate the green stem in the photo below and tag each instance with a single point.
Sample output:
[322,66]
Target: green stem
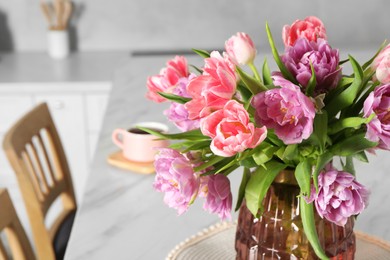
[308,222]
[209,163]
[254,70]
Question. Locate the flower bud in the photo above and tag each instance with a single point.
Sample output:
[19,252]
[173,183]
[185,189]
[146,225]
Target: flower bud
[383,70]
[240,49]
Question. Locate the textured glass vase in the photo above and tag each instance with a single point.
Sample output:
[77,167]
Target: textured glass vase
[278,233]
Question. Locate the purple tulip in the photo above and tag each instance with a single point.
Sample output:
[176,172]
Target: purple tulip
[176,178]
[177,113]
[218,196]
[285,109]
[339,197]
[324,59]
[378,129]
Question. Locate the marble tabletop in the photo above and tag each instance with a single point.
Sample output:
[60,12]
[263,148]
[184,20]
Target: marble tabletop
[122,217]
[38,67]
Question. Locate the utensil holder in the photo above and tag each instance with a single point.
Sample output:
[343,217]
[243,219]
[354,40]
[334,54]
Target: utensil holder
[58,44]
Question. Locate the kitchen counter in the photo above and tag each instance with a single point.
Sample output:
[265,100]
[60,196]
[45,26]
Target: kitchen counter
[122,217]
[78,67]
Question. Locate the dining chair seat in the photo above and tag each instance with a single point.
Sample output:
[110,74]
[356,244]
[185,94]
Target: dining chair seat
[62,235]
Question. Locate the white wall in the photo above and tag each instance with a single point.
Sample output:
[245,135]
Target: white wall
[171,24]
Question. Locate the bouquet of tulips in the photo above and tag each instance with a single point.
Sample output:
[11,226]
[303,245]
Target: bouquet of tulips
[299,117]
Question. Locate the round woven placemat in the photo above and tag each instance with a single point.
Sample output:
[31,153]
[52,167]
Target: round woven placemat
[217,243]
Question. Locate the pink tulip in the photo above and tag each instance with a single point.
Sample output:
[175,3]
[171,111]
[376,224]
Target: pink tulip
[223,75]
[381,66]
[219,196]
[240,49]
[285,109]
[211,90]
[231,130]
[378,59]
[155,84]
[176,178]
[378,129]
[176,69]
[202,106]
[383,70]
[310,28]
[168,78]
[203,186]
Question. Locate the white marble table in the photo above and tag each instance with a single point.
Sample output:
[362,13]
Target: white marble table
[122,217]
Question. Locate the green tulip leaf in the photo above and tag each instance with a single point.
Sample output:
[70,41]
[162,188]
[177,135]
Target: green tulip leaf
[241,191]
[259,184]
[266,73]
[322,161]
[174,98]
[349,166]
[200,71]
[361,156]
[202,53]
[347,96]
[358,106]
[264,155]
[286,73]
[312,82]
[197,145]
[248,163]
[352,145]
[246,94]
[350,122]
[320,132]
[307,216]
[303,176]
[368,63]
[291,152]
[212,160]
[252,84]
[195,135]
[274,138]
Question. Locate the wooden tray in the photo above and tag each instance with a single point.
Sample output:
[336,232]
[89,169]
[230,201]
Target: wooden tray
[117,159]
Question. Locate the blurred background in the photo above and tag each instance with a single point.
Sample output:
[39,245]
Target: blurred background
[177,24]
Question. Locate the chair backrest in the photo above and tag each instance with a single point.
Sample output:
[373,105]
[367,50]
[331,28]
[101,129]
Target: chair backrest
[9,223]
[35,152]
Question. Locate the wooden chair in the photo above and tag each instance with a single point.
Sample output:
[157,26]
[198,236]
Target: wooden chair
[34,150]
[9,222]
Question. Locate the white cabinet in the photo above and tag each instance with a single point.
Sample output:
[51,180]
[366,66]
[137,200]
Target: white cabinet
[77,109]
[12,106]
[95,105]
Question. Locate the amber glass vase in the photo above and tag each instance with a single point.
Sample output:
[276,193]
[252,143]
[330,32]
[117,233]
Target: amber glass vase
[278,233]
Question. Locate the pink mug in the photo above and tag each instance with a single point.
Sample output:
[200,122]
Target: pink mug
[138,145]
